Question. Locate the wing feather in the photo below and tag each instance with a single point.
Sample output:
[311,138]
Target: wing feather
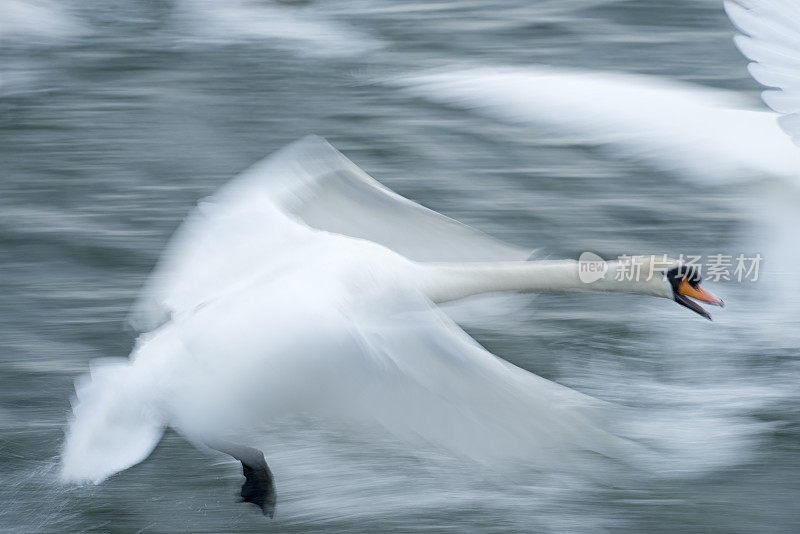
[267,211]
[775,77]
[771,39]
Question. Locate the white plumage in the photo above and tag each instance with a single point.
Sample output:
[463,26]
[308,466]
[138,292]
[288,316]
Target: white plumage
[772,41]
[296,291]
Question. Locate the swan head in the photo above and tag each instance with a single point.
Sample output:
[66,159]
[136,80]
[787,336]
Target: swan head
[664,277]
[684,281]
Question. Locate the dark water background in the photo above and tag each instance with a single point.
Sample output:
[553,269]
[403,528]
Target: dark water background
[115,118]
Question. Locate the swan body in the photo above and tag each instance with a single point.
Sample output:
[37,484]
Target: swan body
[280,297]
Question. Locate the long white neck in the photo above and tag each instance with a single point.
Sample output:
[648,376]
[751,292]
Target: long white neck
[443,282]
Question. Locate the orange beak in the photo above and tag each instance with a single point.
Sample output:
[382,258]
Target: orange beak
[685,288]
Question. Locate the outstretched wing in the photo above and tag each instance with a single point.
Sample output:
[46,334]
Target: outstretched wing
[771,39]
[265,212]
[693,131]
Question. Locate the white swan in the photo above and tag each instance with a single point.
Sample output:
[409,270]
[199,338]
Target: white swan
[305,287]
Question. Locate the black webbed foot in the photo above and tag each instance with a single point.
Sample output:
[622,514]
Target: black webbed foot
[259,484]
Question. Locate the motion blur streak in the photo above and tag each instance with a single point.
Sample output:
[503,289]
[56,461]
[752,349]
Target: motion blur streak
[682,128]
[116,117]
[306,30]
